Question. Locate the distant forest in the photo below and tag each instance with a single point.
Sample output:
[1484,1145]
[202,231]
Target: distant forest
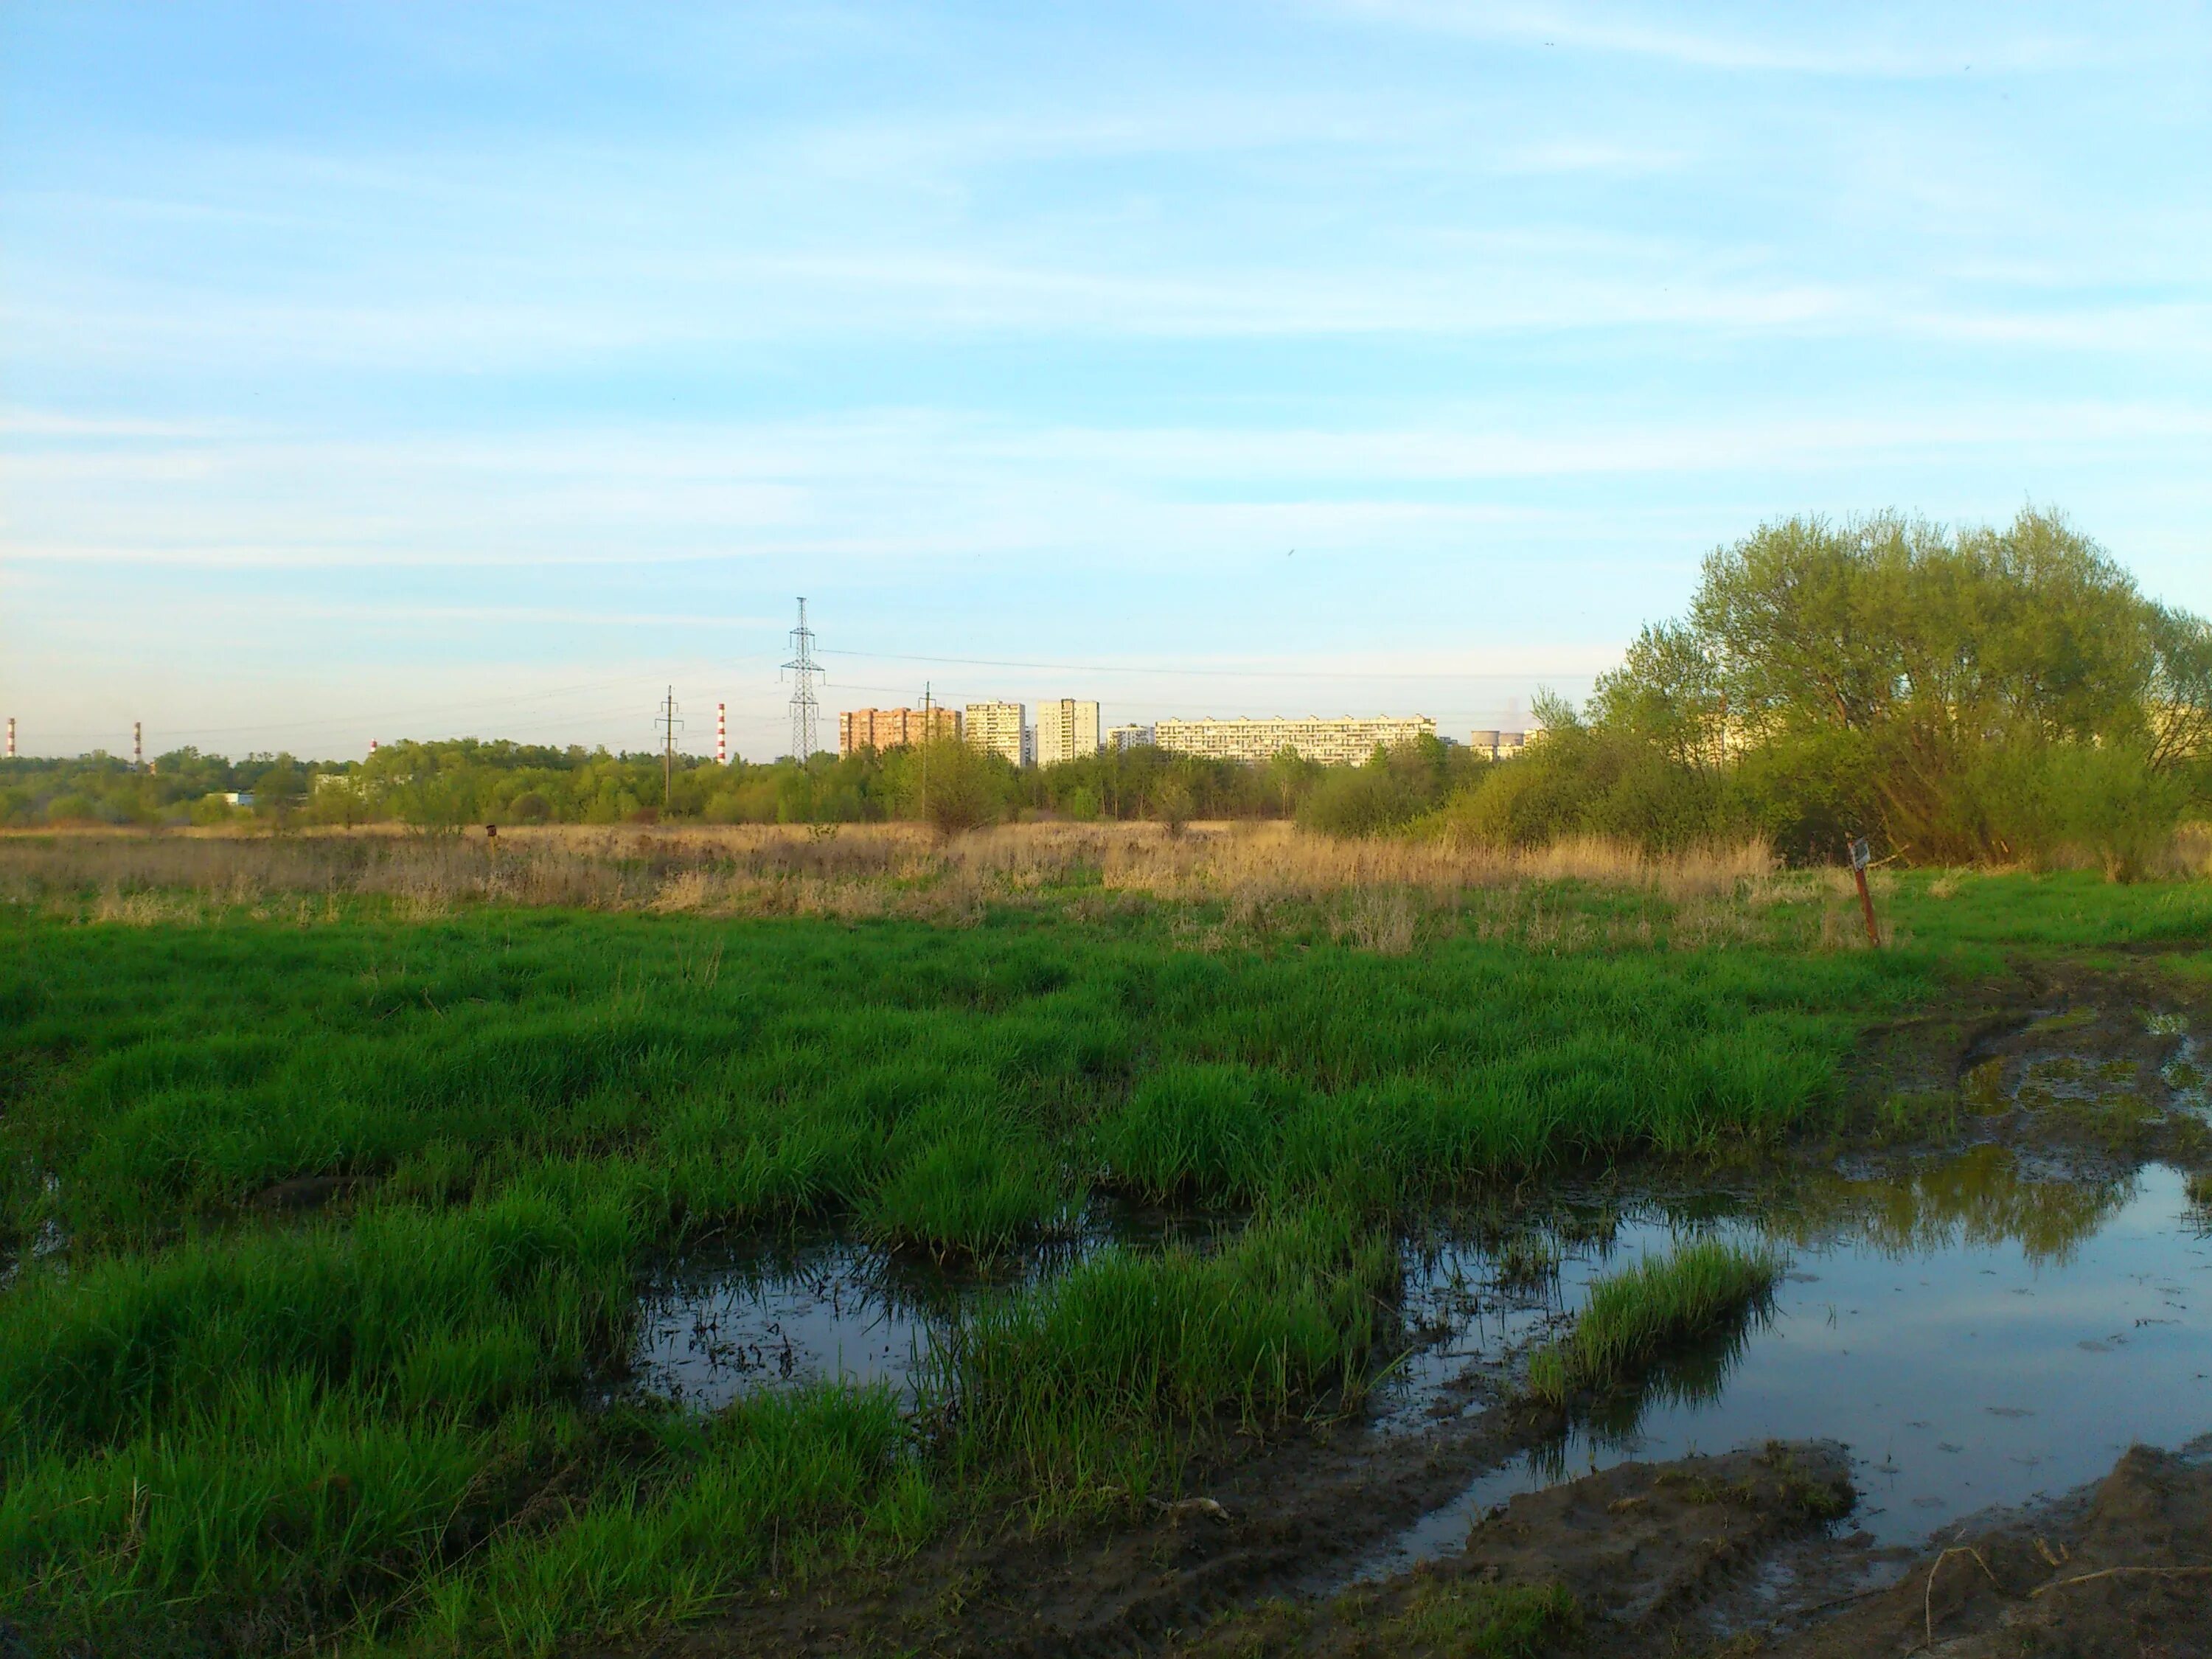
[1990,695]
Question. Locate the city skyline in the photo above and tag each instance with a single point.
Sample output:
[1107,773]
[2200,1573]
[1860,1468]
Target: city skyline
[373,372]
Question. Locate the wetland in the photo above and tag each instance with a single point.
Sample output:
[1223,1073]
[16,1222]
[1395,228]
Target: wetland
[1087,1268]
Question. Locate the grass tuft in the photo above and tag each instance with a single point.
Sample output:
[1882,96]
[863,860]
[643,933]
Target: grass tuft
[1482,1621]
[1635,1317]
[1093,1382]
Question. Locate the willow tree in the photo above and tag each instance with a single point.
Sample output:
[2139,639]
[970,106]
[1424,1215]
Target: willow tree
[1992,693]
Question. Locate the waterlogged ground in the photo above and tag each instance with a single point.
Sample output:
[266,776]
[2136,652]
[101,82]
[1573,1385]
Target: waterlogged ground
[1977,1333]
[365,1217]
[720,1323]
[1982,1328]
[1970,1365]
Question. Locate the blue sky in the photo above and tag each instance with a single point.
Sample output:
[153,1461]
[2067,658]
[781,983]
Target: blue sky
[388,370]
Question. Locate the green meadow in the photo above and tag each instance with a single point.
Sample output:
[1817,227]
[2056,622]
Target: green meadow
[383,1424]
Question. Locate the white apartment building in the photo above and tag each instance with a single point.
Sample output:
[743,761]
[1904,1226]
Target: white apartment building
[1065,730]
[1346,740]
[1129,737]
[999,727]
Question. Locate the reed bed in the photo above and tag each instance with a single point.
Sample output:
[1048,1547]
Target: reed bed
[858,871]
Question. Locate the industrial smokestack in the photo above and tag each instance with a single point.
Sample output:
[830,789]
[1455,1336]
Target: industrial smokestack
[137,745]
[11,736]
[721,734]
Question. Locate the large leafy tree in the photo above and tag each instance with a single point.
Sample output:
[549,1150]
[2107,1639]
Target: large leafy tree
[1956,691]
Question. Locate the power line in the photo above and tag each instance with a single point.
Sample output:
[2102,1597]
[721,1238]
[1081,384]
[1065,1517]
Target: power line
[1226,673]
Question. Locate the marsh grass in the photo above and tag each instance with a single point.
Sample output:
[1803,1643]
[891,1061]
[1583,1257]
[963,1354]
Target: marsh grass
[967,1194]
[1635,1318]
[1479,1621]
[224,1429]
[789,1484]
[1527,1260]
[1091,1384]
[483,1307]
[951,1090]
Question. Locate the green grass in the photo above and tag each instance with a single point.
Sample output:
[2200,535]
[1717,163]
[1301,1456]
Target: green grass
[223,1430]
[955,1088]
[1081,1384]
[793,1483]
[1480,1621]
[1991,914]
[1636,1317]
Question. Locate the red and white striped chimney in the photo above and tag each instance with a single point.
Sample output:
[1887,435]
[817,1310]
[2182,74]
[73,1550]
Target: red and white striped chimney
[721,734]
[11,736]
[372,745]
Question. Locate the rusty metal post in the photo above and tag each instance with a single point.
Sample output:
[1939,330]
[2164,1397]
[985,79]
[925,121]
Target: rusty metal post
[1860,857]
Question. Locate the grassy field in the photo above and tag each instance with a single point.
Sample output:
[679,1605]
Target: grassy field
[226,1427]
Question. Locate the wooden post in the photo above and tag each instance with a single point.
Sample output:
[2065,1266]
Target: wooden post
[1860,857]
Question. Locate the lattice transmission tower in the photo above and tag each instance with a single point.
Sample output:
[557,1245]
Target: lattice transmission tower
[804,671]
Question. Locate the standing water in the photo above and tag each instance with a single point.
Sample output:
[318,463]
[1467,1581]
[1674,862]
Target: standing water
[1976,1338]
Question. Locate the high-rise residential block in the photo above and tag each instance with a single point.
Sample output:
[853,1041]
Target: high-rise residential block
[1129,737]
[1067,730]
[998,728]
[893,728]
[1346,740]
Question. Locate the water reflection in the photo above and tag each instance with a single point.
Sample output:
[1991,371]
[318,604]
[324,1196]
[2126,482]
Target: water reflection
[1978,1334]
[719,1324]
[721,1321]
[1977,1328]
[1980,1198]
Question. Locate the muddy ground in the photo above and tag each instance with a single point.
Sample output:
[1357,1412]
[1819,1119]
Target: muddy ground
[1752,1551]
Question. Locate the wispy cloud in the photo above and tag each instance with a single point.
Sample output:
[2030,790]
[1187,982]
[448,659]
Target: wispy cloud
[1852,41]
[468,343]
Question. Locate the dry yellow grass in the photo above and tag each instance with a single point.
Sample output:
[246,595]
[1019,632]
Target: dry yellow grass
[857,870]
[2192,850]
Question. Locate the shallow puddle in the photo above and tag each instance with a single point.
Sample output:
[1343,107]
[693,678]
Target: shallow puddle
[1977,1335]
[1977,1340]
[2187,1080]
[714,1328]
[717,1325]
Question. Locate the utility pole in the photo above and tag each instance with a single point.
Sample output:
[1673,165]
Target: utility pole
[669,725]
[803,671]
[928,735]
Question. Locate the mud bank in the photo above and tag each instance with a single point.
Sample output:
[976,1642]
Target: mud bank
[1613,1562]
[1750,1553]
[2123,1569]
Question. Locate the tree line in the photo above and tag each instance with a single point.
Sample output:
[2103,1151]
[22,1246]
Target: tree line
[449,783]
[1986,694]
